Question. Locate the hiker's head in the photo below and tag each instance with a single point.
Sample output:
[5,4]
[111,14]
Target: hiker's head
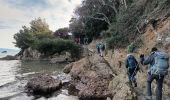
[154,49]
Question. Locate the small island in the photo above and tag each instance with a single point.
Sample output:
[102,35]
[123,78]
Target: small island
[4,52]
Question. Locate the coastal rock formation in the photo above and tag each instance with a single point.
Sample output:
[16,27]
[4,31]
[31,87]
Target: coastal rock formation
[29,54]
[63,57]
[43,84]
[91,76]
[9,57]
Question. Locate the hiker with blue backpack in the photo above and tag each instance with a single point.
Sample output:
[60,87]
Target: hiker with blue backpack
[102,48]
[158,68]
[132,68]
[98,47]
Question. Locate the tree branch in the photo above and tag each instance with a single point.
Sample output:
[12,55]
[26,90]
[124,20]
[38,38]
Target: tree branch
[113,7]
[101,19]
[106,18]
[125,4]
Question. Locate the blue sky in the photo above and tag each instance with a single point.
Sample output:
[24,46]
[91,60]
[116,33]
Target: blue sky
[16,13]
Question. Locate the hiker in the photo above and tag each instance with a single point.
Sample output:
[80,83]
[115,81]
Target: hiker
[86,40]
[132,68]
[98,48]
[158,68]
[102,48]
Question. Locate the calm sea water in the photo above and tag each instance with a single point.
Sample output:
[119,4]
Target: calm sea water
[15,74]
[9,53]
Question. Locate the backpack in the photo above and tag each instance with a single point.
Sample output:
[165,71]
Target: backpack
[131,62]
[102,46]
[161,64]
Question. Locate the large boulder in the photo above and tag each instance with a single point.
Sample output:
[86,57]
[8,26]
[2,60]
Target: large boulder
[43,84]
[91,76]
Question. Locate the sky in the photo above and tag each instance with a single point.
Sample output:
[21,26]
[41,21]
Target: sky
[16,13]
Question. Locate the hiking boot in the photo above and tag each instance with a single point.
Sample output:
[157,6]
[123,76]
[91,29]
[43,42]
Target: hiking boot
[135,84]
[130,84]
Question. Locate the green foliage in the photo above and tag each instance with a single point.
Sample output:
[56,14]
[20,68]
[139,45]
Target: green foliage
[39,25]
[134,45]
[23,38]
[62,33]
[51,46]
[26,36]
[39,37]
[117,41]
[131,48]
[92,17]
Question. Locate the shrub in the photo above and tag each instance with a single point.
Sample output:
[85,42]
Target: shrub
[134,45]
[117,41]
[131,48]
[51,46]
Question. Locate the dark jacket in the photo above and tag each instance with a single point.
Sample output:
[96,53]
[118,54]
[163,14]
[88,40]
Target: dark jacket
[126,61]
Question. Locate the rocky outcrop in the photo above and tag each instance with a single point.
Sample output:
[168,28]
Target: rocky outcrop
[32,54]
[63,57]
[43,84]
[91,77]
[9,57]
[29,54]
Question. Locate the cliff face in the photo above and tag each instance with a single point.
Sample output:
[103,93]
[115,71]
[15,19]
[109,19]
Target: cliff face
[156,34]
[155,31]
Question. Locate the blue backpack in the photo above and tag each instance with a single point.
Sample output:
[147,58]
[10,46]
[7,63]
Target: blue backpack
[102,46]
[161,64]
[131,62]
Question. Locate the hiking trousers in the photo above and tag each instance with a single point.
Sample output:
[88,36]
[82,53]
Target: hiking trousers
[131,75]
[159,82]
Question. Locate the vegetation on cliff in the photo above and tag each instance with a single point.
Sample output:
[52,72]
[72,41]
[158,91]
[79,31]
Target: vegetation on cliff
[121,22]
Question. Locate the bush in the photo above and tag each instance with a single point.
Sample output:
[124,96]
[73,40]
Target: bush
[134,45]
[131,48]
[23,38]
[117,41]
[51,46]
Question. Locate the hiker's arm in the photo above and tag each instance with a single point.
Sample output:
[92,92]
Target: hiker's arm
[149,59]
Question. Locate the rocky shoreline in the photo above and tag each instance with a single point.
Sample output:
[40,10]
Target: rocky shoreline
[90,79]
[30,54]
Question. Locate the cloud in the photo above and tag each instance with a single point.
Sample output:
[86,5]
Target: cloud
[16,13]
[25,4]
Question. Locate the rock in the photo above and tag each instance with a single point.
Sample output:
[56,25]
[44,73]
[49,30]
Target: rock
[68,68]
[95,89]
[63,57]
[43,84]
[91,77]
[9,57]
[30,54]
